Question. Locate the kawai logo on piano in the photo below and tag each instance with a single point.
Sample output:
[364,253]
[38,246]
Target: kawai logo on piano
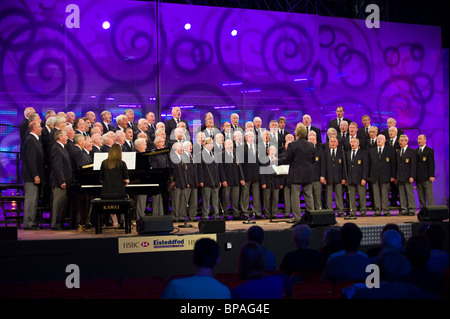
[108,207]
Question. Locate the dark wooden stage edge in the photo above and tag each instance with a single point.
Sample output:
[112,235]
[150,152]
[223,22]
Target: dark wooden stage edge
[44,254]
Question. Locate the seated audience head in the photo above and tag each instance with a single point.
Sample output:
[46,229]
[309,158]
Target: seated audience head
[418,250]
[302,236]
[251,263]
[351,236]
[206,253]
[256,234]
[391,239]
[391,263]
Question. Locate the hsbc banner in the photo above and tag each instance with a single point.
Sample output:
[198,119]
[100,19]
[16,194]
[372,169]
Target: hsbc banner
[148,244]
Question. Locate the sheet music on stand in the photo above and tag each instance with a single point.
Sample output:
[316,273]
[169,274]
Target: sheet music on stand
[128,157]
[281,170]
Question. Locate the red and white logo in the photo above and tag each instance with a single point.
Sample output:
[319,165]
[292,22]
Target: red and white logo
[145,244]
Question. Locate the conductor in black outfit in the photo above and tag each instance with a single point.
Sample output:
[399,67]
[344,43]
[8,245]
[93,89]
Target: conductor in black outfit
[114,176]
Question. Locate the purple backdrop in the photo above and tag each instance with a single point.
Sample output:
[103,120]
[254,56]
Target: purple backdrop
[254,63]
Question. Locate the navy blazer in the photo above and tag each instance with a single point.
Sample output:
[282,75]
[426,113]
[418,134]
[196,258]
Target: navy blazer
[61,166]
[426,165]
[33,159]
[300,158]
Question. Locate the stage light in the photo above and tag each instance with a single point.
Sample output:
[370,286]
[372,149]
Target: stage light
[234,32]
[106,25]
[187,26]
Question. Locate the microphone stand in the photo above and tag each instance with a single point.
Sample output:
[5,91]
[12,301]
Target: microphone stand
[185,225]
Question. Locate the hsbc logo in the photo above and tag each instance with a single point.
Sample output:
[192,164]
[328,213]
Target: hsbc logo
[145,244]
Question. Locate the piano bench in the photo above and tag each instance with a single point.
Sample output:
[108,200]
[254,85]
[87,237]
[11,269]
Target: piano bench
[111,206]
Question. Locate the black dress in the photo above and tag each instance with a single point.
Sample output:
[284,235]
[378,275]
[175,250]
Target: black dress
[113,186]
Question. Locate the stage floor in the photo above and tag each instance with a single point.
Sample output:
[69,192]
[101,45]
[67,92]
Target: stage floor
[231,226]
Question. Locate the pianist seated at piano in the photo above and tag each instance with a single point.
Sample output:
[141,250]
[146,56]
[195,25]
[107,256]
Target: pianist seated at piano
[113,177]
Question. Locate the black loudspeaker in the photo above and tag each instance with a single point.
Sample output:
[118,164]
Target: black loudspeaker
[8,233]
[211,226]
[318,218]
[154,225]
[433,214]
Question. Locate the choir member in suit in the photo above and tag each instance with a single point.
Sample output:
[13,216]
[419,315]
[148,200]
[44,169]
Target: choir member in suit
[60,179]
[234,121]
[391,122]
[257,128]
[300,158]
[128,145]
[371,142]
[234,176]
[71,119]
[192,179]
[211,177]
[336,122]
[210,129]
[129,113]
[227,131]
[334,178]
[171,124]
[393,141]
[142,127]
[286,194]
[141,199]
[33,174]
[23,128]
[307,122]
[383,170]
[319,170]
[97,143]
[406,175]
[425,172]
[282,132]
[108,141]
[357,176]
[274,136]
[179,184]
[90,116]
[122,122]
[251,176]
[363,132]
[159,161]
[70,135]
[119,138]
[77,201]
[106,122]
[150,117]
[271,184]
[79,126]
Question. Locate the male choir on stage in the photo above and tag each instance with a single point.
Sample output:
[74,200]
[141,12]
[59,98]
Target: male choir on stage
[228,170]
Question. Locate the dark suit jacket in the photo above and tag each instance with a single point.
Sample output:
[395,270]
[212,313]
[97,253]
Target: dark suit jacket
[426,165]
[334,123]
[318,134]
[406,165]
[334,167]
[396,145]
[127,148]
[180,171]
[160,160]
[233,172]
[109,128]
[210,173]
[192,174]
[61,167]
[382,167]
[251,164]
[79,158]
[300,156]
[33,159]
[358,167]
[319,165]
[171,124]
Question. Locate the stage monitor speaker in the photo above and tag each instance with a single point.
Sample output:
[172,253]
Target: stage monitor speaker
[433,214]
[8,233]
[211,226]
[318,218]
[154,225]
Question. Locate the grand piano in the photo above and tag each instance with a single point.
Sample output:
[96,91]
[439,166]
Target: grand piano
[144,180]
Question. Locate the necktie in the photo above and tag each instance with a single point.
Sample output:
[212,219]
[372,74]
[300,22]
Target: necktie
[339,122]
[333,154]
[367,130]
[403,152]
[392,142]
[379,151]
[353,155]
